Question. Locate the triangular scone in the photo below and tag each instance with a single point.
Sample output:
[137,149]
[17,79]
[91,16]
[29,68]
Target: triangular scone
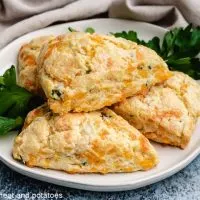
[27,63]
[167,113]
[188,90]
[96,142]
[82,72]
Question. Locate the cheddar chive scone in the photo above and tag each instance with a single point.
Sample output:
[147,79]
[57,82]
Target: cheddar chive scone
[188,90]
[82,72]
[167,113]
[27,63]
[95,142]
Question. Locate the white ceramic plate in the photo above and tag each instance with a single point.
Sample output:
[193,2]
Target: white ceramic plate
[171,159]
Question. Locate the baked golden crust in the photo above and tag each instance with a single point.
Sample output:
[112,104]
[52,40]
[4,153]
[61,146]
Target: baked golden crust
[167,113]
[85,72]
[27,63]
[96,142]
[188,90]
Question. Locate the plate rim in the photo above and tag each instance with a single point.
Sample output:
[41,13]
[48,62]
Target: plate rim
[78,22]
[97,187]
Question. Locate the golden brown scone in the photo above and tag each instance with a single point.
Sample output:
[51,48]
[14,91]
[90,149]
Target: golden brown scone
[188,89]
[27,63]
[85,72]
[167,113]
[95,142]
[37,112]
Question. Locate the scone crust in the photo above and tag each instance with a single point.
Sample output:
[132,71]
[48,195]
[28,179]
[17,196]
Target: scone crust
[96,142]
[27,63]
[188,90]
[82,72]
[165,114]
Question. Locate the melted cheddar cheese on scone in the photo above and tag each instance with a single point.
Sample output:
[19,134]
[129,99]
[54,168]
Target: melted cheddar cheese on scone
[27,63]
[82,72]
[95,142]
[167,113]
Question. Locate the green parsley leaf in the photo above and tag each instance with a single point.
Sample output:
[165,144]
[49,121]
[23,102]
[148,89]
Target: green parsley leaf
[180,43]
[10,77]
[1,81]
[15,102]
[187,65]
[89,30]
[8,124]
[130,35]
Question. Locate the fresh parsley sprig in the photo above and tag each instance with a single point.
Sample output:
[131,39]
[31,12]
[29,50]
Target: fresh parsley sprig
[15,102]
[8,124]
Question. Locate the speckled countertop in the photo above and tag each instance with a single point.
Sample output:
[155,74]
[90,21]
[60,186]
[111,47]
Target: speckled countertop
[184,185]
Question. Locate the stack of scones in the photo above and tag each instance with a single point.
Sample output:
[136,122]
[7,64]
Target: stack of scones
[105,97]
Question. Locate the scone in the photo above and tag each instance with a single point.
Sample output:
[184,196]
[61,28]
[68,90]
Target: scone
[82,72]
[27,63]
[167,113]
[95,142]
[188,89]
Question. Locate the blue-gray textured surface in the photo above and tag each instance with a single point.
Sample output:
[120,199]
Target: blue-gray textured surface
[184,185]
